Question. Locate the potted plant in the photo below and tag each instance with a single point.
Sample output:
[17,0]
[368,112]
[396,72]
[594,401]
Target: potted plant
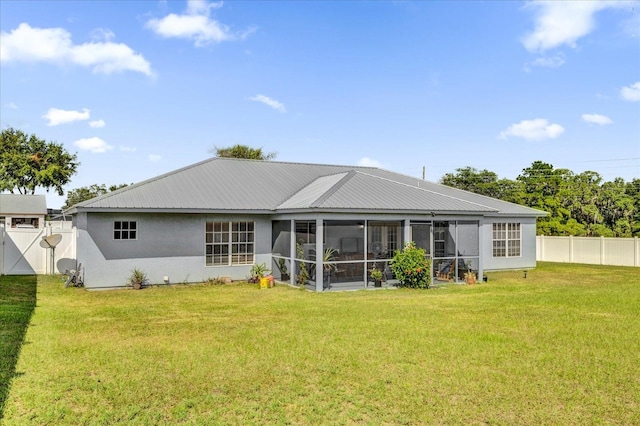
[284,272]
[470,277]
[328,256]
[137,279]
[303,274]
[258,273]
[376,276]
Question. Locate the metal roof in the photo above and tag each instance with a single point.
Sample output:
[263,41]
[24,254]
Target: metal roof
[225,184]
[19,204]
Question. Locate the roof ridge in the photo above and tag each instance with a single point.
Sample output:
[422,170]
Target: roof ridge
[335,187]
[429,191]
[304,187]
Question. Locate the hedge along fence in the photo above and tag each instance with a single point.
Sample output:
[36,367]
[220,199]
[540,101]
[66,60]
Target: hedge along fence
[589,250]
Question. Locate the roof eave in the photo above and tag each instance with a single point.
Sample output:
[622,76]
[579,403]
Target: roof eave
[168,210]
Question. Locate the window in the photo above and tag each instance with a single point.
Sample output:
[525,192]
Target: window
[125,230]
[506,240]
[384,238]
[24,222]
[229,243]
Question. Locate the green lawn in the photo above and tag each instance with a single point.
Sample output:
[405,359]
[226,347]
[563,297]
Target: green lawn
[559,347]
[17,302]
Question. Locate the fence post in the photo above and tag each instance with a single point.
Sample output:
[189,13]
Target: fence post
[602,250]
[570,248]
[636,252]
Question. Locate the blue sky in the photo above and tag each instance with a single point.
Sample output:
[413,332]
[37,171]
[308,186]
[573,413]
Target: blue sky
[140,88]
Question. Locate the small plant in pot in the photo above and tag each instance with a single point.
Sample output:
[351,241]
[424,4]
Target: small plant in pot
[376,276]
[137,279]
[284,272]
[470,277]
[258,271]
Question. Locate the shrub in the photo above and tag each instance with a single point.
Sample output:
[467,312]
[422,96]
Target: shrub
[137,279]
[258,271]
[411,267]
[217,281]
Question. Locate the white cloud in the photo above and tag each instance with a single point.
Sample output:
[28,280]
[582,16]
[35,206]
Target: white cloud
[368,162]
[100,34]
[196,7]
[269,102]
[60,116]
[97,124]
[631,93]
[596,119]
[560,23]
[12,105]
[27,44]
[536,129]
[155,157]
[94,145]
[549,61]
[128,148]
[195,24]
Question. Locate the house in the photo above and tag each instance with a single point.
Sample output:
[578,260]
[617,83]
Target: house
[22,211]
[221,216]
[22,224]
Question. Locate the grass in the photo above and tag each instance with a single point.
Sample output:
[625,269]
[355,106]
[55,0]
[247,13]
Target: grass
[17,302]
[559,347]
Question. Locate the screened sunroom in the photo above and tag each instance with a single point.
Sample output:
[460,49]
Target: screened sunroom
[351,249]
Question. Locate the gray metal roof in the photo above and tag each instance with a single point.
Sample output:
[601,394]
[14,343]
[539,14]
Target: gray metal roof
[225,184]
[19,204]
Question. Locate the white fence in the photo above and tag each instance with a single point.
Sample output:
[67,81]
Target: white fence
[22,254]
[592,250]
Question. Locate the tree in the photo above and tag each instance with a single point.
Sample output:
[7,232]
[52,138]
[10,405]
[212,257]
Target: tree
[84,193]
[632,189]
[578,204]
[470,179]
[484,182]
[616,206]
[28,162]
[243,151]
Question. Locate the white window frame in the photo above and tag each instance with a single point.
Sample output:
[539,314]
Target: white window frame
[507,239]
[235,241]
[122,232]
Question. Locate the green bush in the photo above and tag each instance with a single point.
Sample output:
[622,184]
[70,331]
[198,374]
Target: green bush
[411,267]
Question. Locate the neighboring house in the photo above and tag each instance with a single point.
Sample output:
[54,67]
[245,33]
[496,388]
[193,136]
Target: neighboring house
[23,211]
[220,216]
[22,225]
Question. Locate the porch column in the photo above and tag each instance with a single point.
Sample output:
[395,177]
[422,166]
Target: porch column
[407,231]
[481,253]
[319,255]
[293,255]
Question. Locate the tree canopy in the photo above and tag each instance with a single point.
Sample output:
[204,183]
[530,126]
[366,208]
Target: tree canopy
[84,193]
[578,204]
[243,151]
[28,162]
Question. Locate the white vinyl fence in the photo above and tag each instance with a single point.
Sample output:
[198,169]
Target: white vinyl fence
[22,254]
[591,250]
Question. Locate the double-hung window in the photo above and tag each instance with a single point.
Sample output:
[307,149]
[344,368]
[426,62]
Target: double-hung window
[229,243]
[125,230]
[506,240]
